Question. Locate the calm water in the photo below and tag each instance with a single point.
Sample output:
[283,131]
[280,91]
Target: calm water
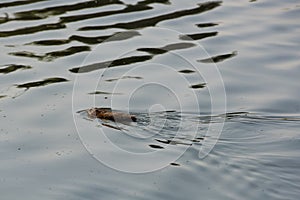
[214,85]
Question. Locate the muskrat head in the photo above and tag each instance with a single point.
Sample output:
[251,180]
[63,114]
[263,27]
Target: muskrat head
[98,112]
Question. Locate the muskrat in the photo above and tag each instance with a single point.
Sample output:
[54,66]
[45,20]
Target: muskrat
[108,114]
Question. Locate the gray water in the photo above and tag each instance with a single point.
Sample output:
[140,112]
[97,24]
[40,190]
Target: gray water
[214,86]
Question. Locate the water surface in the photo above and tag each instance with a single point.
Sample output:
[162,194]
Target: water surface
[106,50]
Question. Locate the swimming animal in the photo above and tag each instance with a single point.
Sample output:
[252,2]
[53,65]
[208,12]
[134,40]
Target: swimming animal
[109,114]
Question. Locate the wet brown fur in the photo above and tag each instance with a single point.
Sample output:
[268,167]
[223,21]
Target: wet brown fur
[108,114]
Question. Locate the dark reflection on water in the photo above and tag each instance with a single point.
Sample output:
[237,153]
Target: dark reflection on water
[197,86]
[203,7]
[197,36]
[132,59]
[58,10]
[44,82]
[112,63]
[53,55]
[186,71]
[138,7]
[102,92]
[155,146]
[218,58]
[12,67]
[118,36]
[19,3]
[33,29]
[204,25]
[124,77]
[167,48]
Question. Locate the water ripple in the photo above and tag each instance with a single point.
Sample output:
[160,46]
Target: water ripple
[148,22]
